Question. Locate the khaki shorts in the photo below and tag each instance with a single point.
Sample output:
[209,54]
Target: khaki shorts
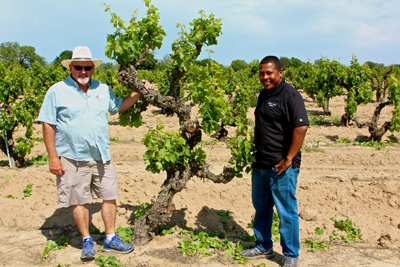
[81,178]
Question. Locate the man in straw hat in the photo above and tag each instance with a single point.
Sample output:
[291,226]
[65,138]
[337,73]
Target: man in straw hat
[75,130]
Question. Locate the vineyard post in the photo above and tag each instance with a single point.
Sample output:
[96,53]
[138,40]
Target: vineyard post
[10,162]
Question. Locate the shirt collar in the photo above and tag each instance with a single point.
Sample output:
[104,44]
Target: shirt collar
[278,89]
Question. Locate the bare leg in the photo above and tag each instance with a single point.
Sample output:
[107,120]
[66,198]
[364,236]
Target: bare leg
[109,214]
[81,216]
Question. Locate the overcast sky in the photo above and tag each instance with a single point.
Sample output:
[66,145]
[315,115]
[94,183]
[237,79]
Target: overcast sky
[252,29]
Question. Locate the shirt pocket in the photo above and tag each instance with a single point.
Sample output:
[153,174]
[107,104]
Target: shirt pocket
[100,105]
[71,113]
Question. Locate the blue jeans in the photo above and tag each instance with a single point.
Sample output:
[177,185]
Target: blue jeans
[269,189]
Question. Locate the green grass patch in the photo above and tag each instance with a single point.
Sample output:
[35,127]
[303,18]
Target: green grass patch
[225,216]
[28,190]
[316,244]
[6,176]
[352,233]
[393,138]
[107,261]
[247,238]
[165,230]
[54,245]
[93,231]
[125,234]
[142,209]
[276,235]
[202,243]
[114,139]
[317,120]
[39,160]
[378,145]
[312,146]
[343,140]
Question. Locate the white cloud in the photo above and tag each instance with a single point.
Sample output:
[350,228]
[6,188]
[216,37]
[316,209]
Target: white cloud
[367,36]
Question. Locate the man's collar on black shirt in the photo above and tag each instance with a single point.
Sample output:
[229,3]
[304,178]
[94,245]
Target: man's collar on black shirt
[277,89]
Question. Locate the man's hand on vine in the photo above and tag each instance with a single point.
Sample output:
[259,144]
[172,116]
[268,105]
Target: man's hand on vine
[148,85]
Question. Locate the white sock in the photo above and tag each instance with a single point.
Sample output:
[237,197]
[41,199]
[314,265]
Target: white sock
[83,238]
[110,236]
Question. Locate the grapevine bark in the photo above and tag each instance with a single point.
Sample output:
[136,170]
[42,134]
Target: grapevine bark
[146,227]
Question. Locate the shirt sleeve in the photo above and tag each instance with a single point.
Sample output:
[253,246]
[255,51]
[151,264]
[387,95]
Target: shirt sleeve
[114,102]
[297,111]
[48,111]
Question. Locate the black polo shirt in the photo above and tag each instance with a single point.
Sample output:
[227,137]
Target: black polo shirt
[277,114]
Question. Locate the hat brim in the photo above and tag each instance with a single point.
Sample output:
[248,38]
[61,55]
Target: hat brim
[66,62]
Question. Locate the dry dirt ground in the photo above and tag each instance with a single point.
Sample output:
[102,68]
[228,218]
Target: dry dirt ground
[336,180]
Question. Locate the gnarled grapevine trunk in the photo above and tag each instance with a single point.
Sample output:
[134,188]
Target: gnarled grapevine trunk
[146,227]
[376,132]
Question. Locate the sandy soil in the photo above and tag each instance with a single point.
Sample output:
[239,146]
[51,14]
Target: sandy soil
[343,181]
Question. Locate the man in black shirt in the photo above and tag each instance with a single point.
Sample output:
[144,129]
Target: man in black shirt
[280,128]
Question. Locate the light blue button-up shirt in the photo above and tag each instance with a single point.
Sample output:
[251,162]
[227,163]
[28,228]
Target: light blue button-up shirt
[80,120]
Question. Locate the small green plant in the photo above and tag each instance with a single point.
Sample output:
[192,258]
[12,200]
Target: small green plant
[125,233]
[315,244]
[186,232]
[334,236]
[53,245]
[247,238]
[234,251]
[132,139]
[312,146]
[39,139]
[93,230]
[9,196]
[378,145]
[202,242]
[352,233]
[250,225]
[39,160]
[142,209]
[214,234]
[319,231]
[107,261]
[393,138]
[6,176]
[28,190]
[225,216]
[335,120]
[166,230]
[114,139]
[317,120]
[343,140]
[276,235]
[63,265]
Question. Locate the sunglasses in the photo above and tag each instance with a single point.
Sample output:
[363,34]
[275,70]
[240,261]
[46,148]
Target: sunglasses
[79,68]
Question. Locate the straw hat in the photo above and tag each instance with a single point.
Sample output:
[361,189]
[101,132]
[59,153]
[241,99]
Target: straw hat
[81,53]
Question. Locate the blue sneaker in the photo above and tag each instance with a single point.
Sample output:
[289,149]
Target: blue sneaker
[88,251]
[117,245]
